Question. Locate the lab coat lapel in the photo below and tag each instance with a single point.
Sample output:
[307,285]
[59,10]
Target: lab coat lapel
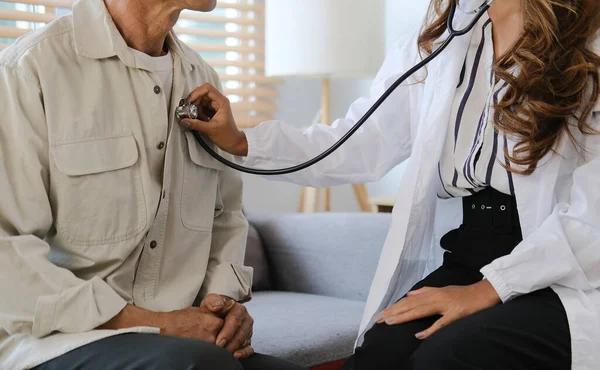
[536,193]
[403,257]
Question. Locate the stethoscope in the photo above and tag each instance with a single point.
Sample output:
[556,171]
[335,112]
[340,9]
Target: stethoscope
[190,110]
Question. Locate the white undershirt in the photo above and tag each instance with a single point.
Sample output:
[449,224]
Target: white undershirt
[162,67]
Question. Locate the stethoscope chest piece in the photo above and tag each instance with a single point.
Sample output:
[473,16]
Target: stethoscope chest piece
[186,110]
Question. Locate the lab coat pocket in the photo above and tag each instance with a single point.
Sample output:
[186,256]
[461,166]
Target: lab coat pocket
[200,187]
[97,191]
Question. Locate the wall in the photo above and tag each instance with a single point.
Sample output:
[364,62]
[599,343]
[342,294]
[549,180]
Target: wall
[298,104]
[403,18]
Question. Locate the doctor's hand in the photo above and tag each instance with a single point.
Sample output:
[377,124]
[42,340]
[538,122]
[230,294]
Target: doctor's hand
[452,303]
[236,334]
[216,120]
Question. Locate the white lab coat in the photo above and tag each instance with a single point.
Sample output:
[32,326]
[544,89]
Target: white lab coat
[559,205]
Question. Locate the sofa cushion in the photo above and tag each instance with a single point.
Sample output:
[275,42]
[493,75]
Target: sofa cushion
[305,329]
[257,259]
[329,254]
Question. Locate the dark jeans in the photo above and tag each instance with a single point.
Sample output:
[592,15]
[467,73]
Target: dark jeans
[154,352]
[530,332]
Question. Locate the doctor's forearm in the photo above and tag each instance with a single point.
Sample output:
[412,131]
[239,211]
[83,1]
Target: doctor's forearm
[276,145]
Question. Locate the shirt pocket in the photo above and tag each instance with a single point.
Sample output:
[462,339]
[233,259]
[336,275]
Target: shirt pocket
[98,192]
[200,193]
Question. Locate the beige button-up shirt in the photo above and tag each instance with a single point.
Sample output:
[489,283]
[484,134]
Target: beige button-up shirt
[95,212]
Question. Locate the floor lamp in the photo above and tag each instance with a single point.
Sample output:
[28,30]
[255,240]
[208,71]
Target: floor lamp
[325,39]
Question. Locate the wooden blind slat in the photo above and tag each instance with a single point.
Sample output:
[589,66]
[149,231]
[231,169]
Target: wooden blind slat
[220,48]
[51,3]
[205,32]
[259,79]
[12,32]
[16,15]
[259,92]
[258,106]
[257,8]
[255,64]
[207,18]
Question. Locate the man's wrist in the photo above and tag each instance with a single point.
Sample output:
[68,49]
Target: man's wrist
[132,316]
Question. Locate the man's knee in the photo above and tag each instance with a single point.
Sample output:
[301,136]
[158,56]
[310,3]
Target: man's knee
[195,355]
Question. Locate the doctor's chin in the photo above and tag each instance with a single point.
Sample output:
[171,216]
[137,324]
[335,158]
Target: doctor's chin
[299,185]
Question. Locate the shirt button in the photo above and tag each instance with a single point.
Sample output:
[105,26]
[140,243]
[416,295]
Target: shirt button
[160,145]
[157,90]
[153,244]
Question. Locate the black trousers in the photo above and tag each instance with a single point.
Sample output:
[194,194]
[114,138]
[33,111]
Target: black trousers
[530,332]
[154,352]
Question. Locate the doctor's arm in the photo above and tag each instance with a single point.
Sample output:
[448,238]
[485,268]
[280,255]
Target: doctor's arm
[381,144]
[565,249]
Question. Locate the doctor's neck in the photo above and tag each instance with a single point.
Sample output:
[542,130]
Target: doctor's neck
[507,21]
[502,9]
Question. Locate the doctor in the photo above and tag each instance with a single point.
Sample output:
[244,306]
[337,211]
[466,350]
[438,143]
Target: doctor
[500,132]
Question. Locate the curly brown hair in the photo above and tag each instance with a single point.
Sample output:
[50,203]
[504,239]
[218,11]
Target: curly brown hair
[556,83]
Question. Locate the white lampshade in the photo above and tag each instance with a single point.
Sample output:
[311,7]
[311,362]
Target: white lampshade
[324,38]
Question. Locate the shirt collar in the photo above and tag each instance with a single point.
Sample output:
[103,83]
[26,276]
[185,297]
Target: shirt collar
[96,36]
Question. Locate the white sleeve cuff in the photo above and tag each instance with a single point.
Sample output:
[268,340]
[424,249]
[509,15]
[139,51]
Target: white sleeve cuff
[504,292]
[80,308]
[253,148]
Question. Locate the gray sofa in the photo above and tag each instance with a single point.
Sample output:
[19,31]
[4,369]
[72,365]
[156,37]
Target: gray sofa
[312,277]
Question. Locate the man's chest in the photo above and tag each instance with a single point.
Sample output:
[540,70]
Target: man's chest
[117,154]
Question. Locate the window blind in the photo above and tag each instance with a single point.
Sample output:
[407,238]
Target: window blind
[231,39]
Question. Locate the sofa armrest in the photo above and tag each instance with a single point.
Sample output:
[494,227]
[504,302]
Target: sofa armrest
[331,254]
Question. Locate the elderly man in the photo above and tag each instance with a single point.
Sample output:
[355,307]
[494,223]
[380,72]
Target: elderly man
[121,241]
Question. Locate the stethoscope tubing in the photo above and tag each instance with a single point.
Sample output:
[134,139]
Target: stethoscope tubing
[284,171]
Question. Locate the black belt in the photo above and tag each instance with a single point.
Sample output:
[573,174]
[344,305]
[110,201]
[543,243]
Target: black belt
[489,231]
[490,210]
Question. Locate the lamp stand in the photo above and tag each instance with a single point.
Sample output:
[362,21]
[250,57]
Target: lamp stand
[309,198]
